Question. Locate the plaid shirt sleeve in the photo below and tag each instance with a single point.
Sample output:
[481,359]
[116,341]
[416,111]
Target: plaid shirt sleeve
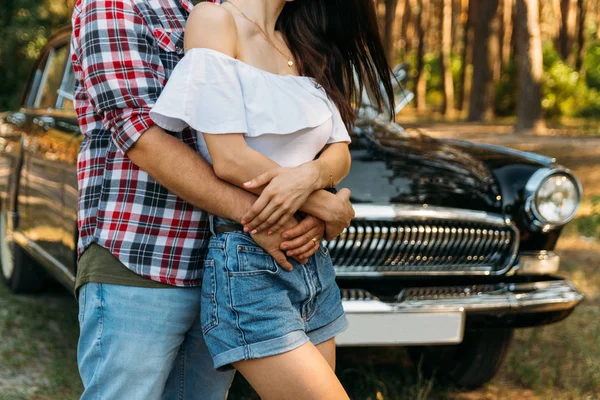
[121,69]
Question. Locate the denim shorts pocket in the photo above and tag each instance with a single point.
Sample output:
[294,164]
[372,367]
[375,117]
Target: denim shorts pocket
[323,250]
[208,308]
[253,260]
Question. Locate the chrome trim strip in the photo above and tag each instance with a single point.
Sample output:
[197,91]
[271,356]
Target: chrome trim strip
[398,212]
[519,297]
[59,271]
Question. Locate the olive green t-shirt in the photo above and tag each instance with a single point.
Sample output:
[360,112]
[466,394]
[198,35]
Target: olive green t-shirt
[98,265]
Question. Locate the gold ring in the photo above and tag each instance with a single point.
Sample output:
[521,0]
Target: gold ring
[315,241]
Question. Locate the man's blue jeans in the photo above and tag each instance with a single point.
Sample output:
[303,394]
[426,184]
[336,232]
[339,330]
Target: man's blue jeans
[143,343]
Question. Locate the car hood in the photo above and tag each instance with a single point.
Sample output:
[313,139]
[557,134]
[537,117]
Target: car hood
[411,168]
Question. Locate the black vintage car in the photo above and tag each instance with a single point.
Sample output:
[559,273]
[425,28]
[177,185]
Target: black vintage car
[450,251]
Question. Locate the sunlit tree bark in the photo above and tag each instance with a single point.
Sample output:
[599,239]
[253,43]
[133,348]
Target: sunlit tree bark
[421,27]
[507,29]
[530,67]
[447,80]
[465,55]
[389,39]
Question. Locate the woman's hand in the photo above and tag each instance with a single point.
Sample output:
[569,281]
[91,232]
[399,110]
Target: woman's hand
[341,213]
[287,190]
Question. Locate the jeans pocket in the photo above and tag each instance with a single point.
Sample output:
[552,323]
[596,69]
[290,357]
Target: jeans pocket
[208,307]
[81,301]
[323,250]
[253,260]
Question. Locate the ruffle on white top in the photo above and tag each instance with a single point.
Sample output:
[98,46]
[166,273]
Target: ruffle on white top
[214,93]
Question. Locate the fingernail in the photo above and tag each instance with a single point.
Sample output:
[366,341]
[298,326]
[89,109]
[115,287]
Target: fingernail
[243,222]
[247,183]
[246,229]
[285,236]
[254,232]
[283,247]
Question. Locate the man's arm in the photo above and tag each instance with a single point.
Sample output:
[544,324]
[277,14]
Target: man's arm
[181,170]
[123,75]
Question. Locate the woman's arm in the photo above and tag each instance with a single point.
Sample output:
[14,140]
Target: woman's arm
[331,167]
[236,162]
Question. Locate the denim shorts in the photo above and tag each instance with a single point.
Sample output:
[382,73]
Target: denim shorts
[252,308]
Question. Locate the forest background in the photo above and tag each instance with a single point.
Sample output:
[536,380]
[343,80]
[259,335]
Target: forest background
[474,60]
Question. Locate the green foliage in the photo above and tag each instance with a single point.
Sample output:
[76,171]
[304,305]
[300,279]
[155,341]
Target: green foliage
[591,65]
[25,27]
[565,92]
[505,93]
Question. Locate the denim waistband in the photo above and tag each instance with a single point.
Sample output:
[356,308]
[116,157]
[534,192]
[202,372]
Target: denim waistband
[215,221]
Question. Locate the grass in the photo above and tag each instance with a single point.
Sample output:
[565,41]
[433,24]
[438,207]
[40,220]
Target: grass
[560,361]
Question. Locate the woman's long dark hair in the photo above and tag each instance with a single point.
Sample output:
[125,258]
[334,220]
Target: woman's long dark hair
[337,42]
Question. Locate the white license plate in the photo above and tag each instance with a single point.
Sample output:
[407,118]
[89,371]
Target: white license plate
[386,327]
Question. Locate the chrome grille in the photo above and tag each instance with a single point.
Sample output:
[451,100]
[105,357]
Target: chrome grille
[414,240]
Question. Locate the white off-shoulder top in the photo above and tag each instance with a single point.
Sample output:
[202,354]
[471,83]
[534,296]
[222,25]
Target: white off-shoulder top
[287,118]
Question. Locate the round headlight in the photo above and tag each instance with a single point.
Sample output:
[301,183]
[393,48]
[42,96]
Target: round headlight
[557,199]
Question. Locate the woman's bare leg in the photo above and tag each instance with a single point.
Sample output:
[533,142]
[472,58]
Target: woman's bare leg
[327,350]
[300,374]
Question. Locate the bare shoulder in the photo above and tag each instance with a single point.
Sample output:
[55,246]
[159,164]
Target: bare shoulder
[211,26]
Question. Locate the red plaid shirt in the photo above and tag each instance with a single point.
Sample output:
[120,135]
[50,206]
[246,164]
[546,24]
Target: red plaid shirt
[123,52]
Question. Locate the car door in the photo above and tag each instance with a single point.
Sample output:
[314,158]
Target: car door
[46,144]
[66,121]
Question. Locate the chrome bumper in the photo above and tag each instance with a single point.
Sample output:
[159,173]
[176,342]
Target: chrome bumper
[439,317]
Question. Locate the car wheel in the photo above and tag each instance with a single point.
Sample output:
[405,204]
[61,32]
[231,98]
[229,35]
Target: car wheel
[20,273]
[470,364]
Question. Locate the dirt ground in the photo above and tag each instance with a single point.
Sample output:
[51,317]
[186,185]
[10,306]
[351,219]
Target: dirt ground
[562,361]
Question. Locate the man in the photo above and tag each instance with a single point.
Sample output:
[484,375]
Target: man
[143,198]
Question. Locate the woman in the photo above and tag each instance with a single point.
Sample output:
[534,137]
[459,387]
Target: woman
[270,84]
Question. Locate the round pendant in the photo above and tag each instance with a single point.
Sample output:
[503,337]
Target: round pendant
[290,63]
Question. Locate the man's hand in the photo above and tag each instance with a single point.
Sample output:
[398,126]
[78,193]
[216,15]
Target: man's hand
[341,213]
[271,244]
[304,239]
[287,190]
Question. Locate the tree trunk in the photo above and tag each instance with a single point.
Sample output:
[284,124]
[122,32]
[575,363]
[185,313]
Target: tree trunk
[480,106]
[598,19]
[530,68]
[495,46]
[447,80]
[580,34]
[465,59]
[389,40]
[406,19]
[568,19]
[557,16]
[507,29]
[421,28]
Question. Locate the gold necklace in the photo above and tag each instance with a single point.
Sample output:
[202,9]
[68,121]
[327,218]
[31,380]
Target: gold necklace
[290,63]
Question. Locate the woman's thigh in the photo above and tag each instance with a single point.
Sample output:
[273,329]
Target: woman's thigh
[300,374]
[327,350]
